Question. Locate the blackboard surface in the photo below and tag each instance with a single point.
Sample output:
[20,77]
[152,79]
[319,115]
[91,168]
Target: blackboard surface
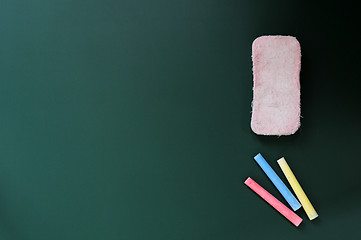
[130,119]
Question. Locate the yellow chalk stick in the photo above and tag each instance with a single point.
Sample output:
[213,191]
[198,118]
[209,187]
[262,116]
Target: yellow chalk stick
[306,204]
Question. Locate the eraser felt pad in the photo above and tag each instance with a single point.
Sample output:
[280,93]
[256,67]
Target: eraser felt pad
[276,85]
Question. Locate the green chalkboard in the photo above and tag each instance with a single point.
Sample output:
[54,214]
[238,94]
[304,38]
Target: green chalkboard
[130,119]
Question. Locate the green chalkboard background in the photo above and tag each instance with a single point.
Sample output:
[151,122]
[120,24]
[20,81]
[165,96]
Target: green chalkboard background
[130,119]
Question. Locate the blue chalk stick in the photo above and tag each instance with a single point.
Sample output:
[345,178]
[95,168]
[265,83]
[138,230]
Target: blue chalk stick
[286,193]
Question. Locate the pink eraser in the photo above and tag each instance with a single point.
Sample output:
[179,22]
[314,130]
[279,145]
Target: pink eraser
[274,202]
[276,85]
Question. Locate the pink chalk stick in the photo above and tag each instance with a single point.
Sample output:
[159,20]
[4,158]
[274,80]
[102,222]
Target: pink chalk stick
[280,207]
